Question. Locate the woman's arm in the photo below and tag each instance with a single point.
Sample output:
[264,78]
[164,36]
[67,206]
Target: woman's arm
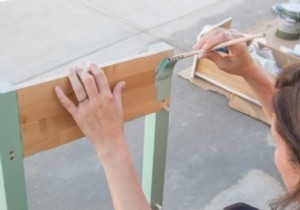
[99,115]
[238,62]
[264,88]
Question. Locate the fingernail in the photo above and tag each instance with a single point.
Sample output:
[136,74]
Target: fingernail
[71,70]
[57,89]
[200,55]
[92,66]
[124,85]
[204,47]
[91,63]
[78,69]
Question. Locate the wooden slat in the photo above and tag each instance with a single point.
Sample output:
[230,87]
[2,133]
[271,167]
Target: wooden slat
[45,124]
[237,83]
[235,102]
[248,108]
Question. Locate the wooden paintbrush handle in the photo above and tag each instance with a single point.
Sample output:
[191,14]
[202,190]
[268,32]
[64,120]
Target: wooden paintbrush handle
[238,40]
[224,44]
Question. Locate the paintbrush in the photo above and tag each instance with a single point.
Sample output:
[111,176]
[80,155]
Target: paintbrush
[166,66]
[224,44]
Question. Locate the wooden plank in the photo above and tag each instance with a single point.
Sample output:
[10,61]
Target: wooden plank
[209,69]
[235,102]
[45,124]
[248,108]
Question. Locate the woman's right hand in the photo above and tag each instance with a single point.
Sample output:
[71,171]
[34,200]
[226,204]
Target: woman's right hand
[238,61]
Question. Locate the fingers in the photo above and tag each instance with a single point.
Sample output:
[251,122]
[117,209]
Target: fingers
[199,44]
[65,101]
[100,78]
[88,82]
[213,56]
[104,88]
[76,84]
[117,93]
[235,49]
[86,85]
[215,37]
[202,40]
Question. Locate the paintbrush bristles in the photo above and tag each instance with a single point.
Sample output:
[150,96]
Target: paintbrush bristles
[185,55]
[224,44]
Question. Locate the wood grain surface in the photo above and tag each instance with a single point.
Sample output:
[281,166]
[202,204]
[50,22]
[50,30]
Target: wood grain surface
[45,124]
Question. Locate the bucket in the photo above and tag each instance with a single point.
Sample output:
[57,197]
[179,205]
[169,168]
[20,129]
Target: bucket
[289,21]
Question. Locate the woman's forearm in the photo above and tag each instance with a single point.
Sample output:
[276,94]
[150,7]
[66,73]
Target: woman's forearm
[123,183]
[263,86]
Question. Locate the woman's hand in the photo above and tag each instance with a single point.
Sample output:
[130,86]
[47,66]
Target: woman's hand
[238,61]
[100,117]
[99,112]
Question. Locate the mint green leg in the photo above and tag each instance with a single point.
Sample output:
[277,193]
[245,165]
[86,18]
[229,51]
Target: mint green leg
[12,181]
[155,149]
[156,139]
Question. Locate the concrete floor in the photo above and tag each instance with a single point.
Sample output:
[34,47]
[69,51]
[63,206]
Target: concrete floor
[216,156]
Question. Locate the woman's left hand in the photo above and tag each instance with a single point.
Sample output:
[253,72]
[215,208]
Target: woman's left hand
[99,112]
[100,117]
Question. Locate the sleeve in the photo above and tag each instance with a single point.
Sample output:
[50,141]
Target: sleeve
[240,206]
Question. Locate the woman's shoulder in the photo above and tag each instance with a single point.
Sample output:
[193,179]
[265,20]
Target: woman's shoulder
[240,206]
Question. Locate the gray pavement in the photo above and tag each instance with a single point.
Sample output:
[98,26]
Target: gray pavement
[216,156]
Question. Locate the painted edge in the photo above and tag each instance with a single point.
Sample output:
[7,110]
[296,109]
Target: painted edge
[152,49]
[194,66]
[228,89]
[160,46]
[5,87]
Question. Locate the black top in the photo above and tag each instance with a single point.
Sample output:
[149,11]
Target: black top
[240,206]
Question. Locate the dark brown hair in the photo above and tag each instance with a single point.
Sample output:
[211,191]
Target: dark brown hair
[286,106]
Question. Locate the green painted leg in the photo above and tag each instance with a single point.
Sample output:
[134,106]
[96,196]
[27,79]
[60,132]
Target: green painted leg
[156,139]
[12,181]
[155,149]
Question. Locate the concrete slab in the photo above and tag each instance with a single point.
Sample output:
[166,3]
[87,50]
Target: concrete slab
[39,35]
[182,32]
[254,182]
[210,146]
[63,179]
[119,50]
[146,14]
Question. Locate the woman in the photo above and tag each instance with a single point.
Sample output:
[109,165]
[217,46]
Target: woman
[99,116]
